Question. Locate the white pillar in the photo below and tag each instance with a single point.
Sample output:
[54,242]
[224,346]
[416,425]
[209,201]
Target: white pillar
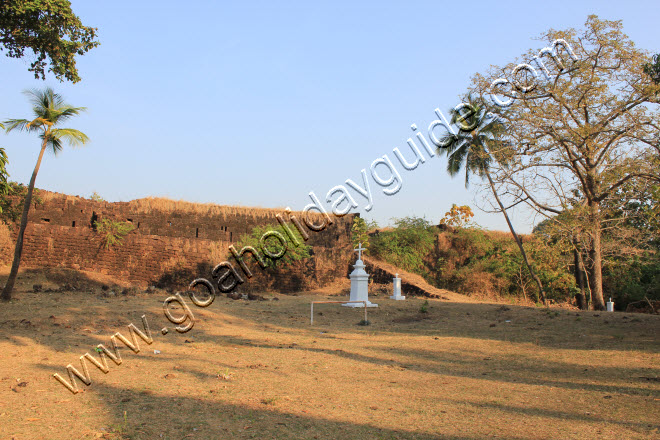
[396,287]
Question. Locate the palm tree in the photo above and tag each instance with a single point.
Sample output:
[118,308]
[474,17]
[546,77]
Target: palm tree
[473,148]
[49,110]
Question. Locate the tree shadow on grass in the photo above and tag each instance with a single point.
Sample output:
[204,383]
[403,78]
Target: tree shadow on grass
[150,415]
[511,368]
[531,411]
[65,278]
[155,415]
[465,364]
[521,369]
[557,329]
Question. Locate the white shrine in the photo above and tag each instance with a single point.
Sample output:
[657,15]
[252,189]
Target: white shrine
[396,287]
[359,283]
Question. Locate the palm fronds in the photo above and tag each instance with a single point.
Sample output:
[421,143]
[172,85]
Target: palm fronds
[49,110]
[470,148]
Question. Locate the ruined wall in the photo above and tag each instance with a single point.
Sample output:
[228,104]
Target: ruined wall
[181,243]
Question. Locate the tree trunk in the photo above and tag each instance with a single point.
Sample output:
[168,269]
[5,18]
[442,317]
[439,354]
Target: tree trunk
[9,287]
[595,253]
[579,277]
[518,241]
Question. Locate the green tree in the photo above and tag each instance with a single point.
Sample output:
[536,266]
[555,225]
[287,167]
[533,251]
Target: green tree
[49,110]
[477,144]
[652,69]
[359,234]
[51,30]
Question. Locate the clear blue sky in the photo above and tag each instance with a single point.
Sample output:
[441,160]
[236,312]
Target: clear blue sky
[259,103]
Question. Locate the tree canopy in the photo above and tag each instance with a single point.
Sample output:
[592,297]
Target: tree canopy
[51,30]
[584,126]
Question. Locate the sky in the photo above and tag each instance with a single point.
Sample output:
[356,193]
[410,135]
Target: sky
[261,103]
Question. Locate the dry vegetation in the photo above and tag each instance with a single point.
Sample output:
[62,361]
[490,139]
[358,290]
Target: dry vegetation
[258,370]
[150,204]
[162,204]
[51,195]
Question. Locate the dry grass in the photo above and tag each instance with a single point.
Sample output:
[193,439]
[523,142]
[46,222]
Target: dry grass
[149,205]
[47,196]
[258,370]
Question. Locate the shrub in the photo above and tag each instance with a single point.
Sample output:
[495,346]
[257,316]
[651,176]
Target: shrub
[359,234]
[112,232]
[407,245]
[632,279]
[471,260]
[292,254]
[96,197]
[489,263]
[11,203]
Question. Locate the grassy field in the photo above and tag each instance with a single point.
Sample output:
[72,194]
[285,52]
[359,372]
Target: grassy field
[259,370]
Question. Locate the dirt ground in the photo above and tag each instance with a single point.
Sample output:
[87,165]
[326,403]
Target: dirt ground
[258,369]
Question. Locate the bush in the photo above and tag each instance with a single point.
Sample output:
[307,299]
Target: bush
[96,197]
[632,279]
[112,232]
[407,245]
[273,245]
[11,203]
[359,234]
[475,261]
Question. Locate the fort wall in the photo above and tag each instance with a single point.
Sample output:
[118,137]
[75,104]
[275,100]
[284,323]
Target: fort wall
[175,241]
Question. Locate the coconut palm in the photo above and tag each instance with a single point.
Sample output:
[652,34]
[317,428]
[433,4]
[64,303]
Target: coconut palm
[49,110]
[476,146]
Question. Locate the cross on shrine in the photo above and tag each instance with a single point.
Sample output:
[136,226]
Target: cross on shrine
[359,250]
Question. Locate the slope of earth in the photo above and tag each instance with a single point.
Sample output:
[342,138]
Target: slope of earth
[411,283]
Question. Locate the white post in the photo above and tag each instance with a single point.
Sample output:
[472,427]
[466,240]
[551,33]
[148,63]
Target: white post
[396,289]
[610,305]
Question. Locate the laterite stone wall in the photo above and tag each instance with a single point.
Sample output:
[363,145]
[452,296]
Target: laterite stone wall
[60,233]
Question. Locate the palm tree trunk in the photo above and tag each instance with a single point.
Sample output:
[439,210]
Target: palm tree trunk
[518,242]
[9,287]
